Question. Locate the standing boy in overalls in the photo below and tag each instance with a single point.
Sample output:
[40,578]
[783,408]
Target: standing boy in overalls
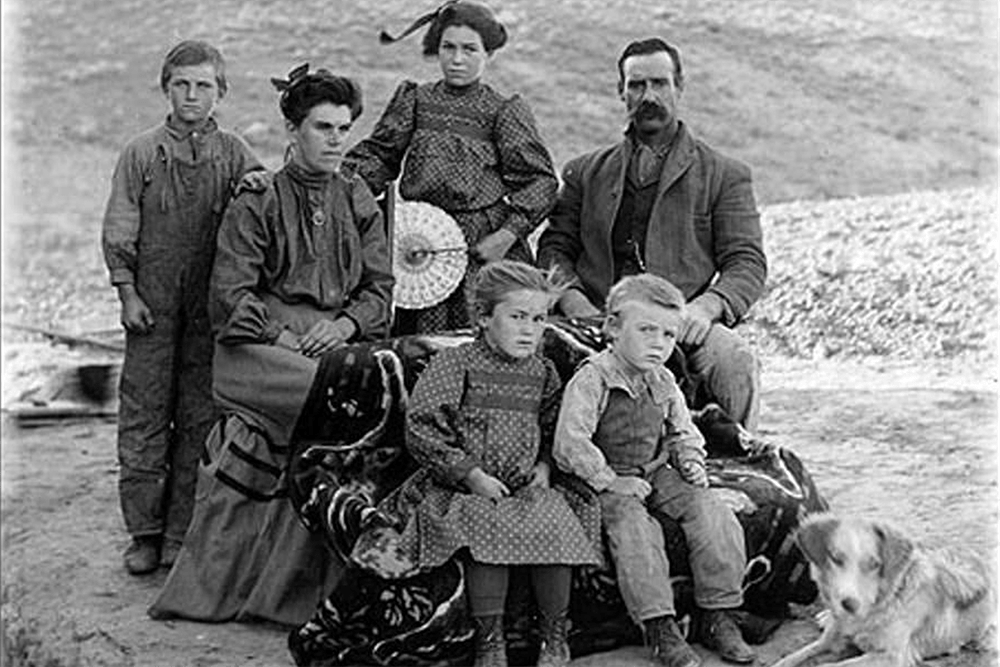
[168,193]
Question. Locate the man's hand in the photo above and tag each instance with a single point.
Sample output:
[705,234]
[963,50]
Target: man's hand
[540,475]
[699,315]
[254,181]
[136,316]
[754,445]
[628,485]
[574,304]
[486,485]
[326,335]
[494,246]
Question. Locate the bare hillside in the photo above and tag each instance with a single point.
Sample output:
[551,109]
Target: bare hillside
[827,102]
[832,99]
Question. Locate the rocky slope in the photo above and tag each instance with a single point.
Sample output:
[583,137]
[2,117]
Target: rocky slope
[910,276]
[906,277]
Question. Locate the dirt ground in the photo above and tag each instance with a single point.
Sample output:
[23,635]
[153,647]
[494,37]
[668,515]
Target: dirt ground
[916,446]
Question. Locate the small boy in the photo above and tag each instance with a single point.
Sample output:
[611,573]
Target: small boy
[168,192]
[624,429]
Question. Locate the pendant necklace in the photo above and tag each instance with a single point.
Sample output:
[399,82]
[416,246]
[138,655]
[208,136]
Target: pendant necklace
[317,201]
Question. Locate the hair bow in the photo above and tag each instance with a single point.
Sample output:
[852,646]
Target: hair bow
[386,38]
[296,75]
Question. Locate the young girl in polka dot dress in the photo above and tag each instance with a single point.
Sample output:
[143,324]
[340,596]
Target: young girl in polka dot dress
[480,422]
[465,147]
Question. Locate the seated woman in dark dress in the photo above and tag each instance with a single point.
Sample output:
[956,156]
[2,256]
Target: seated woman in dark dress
[302,268]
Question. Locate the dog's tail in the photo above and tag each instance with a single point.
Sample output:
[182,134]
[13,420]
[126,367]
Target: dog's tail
[967,580]
[970,582]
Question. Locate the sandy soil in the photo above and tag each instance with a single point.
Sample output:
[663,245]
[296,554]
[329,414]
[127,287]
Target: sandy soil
[912,445]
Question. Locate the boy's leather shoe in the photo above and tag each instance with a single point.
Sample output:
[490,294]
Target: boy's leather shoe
[143,555]
[169,551]
[668,644]
[720,633]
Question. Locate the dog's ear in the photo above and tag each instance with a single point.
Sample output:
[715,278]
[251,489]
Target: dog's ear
[813,537]
[895,550]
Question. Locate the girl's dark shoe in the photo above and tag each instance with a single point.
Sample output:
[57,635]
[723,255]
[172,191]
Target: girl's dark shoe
[491,647]
[555,649]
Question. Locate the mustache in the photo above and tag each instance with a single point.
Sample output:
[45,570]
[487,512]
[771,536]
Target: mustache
[650,109]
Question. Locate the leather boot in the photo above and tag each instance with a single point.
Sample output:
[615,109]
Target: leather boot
[143,555]
[668,644]
[491,648]
[555,650]
[169,551]
[720,633]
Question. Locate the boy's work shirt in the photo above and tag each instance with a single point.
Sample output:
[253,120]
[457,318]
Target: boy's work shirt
[610,424]
[168,193]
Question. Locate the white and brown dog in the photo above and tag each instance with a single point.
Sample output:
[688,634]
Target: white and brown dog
[888,600]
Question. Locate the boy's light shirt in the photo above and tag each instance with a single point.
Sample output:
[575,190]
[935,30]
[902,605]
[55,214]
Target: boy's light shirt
[584,402]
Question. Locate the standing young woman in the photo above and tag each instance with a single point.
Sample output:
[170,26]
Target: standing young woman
[464,148]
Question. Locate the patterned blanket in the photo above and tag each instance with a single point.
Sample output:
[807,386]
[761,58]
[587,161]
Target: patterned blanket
[347,454]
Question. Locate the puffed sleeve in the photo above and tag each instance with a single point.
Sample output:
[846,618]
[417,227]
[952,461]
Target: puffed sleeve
[378,158]
[120,229]
[237,312]
[525,167]
[369,302]
[433,433]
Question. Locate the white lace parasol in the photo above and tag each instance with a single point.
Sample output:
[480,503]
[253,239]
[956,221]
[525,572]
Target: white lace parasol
[429,255]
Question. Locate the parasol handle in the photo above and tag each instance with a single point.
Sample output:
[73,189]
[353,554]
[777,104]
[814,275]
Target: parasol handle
[418,254]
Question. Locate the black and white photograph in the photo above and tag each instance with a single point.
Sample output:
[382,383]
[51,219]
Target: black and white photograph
[500,333]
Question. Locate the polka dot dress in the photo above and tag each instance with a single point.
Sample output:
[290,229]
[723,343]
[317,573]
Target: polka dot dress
[474,406]
[473,152]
